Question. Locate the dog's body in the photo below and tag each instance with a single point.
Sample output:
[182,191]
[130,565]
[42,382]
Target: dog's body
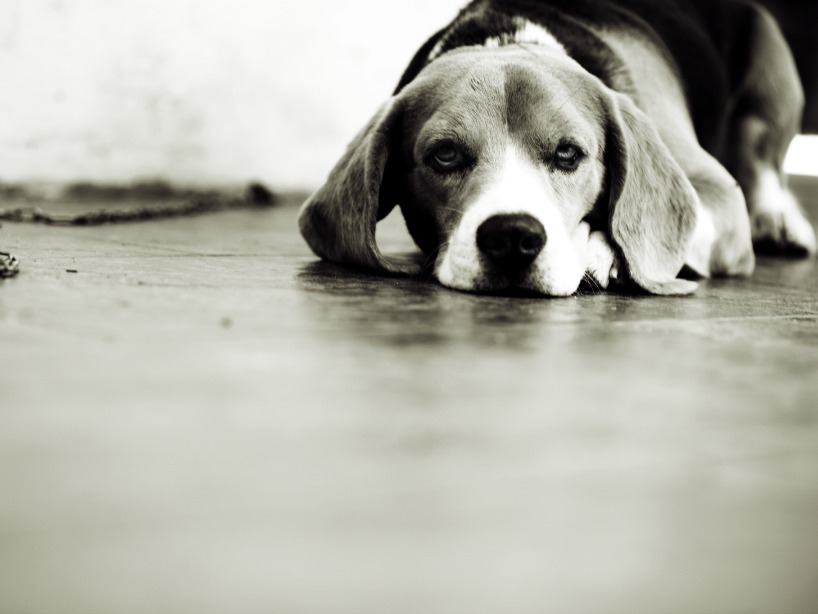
[531,144]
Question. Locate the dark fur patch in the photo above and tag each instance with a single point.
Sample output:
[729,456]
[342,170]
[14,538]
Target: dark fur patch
[703,39]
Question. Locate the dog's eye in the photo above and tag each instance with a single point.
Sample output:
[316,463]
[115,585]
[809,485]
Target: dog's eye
[567,156]
[447,158]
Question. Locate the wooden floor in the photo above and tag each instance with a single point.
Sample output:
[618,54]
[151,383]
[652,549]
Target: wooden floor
[202,418]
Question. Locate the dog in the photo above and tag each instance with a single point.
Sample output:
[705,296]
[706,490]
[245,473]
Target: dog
[532,145]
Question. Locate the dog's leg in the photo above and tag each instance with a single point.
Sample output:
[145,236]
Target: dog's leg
[767,115]
[721,242]
[778,223]
[603,265]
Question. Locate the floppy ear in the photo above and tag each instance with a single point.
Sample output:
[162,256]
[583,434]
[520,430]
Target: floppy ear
[338,221]
[652,209]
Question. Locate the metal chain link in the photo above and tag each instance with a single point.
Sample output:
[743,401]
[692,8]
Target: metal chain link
[9,266]
[257,197]
[35,215]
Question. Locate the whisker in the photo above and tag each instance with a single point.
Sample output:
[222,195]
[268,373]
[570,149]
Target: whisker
[427,269]
[592,283]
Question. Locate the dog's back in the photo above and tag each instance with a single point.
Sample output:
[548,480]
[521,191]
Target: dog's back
[705,42]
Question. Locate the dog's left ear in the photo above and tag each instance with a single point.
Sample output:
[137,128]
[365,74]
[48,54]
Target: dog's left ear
[338,221]
[652,208]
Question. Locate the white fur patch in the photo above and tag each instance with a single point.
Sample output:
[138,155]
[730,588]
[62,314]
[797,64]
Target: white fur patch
[602,261]
[768,191]
[527,32]
[776,216]
[437,48]
[700,249]
[537,35]
[517,187]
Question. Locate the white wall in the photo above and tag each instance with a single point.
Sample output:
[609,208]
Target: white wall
[196,91]
[199,91]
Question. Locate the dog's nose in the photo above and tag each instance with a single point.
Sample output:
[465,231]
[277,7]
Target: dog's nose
[511,241]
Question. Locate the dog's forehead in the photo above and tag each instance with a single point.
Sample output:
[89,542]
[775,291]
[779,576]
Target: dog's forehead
[517,88]
[456,88]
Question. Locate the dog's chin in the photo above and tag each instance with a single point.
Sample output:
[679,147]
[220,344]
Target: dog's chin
[516,292]
[518,286]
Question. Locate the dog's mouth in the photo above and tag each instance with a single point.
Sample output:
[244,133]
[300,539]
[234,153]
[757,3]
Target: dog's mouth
[514,292]
[509,282]
[517,284]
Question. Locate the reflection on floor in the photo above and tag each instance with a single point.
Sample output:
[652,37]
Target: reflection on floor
[198,417]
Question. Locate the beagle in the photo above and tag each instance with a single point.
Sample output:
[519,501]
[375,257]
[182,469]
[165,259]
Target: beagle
[534,144]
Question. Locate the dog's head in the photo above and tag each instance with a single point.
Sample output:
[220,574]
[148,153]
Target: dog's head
[499,159]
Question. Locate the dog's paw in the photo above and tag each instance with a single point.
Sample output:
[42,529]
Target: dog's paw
[603,264]
[779,225]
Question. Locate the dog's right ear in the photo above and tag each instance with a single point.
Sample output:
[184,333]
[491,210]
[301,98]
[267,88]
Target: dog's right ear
[338,221]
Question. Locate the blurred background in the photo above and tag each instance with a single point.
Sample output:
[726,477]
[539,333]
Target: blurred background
[216,92]
[196,91]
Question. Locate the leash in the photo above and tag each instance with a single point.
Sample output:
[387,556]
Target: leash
[257,197]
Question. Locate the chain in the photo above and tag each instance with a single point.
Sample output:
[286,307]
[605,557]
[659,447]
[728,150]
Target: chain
[9,267]
[257,197]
